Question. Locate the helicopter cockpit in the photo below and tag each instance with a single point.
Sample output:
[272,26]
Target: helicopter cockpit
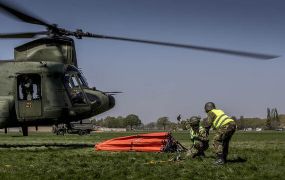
[81,94]
[75,82]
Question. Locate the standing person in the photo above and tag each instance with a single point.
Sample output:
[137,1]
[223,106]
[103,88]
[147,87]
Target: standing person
[225,128]
[199,138]
[27,88]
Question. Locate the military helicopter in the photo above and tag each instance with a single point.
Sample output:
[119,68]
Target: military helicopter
[43,84]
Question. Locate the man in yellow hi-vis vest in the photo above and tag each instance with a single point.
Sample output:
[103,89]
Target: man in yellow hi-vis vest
[225,128]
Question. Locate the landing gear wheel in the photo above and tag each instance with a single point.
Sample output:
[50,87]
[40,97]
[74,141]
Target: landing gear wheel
[60,132]
[81,132]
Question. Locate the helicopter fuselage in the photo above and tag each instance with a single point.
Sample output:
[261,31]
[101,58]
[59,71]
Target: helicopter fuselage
[46,93]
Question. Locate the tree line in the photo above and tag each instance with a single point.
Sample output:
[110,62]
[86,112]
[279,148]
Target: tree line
[272,121]
[133,122]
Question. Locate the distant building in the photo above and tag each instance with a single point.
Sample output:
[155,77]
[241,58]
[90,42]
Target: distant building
[104,129]
[31,129]
[248,129]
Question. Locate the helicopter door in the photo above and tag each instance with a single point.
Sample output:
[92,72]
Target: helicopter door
[29,96]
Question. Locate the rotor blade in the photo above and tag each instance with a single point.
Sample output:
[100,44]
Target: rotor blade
[22,15]
[114,92]
[22,35]
[200,48]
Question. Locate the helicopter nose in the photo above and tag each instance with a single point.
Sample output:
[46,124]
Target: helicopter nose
[112,101]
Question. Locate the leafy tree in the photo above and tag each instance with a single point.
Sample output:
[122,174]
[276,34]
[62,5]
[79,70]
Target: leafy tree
[163,122]
[100,122]
[93,121]
[110,122]
[151,125]
[140,126]
[240,123]
[132,120]
[275,122]
[268,120]
[173,126]
[121,122]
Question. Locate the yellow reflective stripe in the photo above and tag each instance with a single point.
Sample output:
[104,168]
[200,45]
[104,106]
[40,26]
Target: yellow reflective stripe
[217,120]
[222,120]
[226,121]
[192,133]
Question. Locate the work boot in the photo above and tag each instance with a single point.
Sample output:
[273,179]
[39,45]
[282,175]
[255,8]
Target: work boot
[225,158]
[194,155]
[202,154]
[220,160]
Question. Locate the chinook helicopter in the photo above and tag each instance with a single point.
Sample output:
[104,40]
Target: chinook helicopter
[43,84]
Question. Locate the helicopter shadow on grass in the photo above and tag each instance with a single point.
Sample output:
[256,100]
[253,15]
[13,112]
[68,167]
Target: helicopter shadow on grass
[48,145]
[16,136]
[236,160]
[231,160]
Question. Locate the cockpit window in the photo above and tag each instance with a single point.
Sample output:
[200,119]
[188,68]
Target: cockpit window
[70,81]
[79,74]
[82,80]
[74,90]
[74,81]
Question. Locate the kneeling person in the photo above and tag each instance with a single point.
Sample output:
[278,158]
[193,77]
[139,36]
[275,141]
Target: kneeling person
[199,138]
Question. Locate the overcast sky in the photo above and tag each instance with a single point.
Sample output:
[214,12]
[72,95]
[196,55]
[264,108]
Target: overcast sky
[161,81]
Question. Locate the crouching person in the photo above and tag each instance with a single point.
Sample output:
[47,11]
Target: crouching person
[199,138]
[225,127]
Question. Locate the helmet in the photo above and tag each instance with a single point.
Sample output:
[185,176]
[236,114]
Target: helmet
[209,106]
[194,121]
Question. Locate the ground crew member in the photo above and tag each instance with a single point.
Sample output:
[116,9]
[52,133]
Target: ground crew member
[225,128]
[199,138]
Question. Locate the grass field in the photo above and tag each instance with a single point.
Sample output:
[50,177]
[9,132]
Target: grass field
[263,154]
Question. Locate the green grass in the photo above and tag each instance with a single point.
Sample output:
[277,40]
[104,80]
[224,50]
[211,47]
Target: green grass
[264,153]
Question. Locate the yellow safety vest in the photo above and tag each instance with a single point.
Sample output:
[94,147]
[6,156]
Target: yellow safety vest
[195,134]
[221,118]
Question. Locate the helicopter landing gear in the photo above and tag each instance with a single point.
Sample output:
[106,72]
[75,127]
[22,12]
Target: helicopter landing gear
[25,130]
[82,132]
